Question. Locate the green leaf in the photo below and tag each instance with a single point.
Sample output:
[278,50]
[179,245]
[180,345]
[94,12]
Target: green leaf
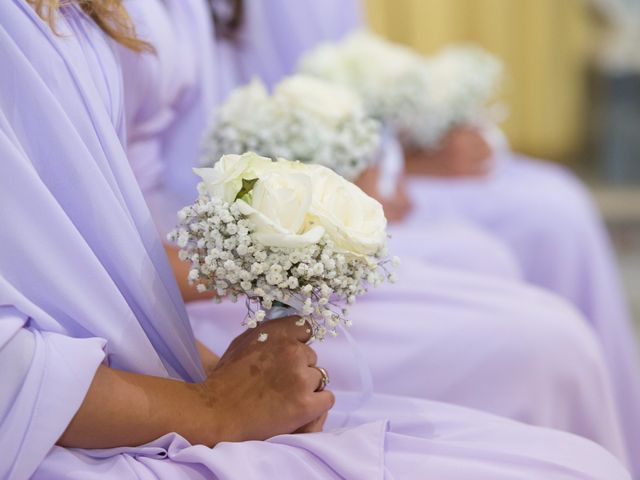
[247,187]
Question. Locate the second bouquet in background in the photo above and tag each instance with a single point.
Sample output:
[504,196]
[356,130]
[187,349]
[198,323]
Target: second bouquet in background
[305,119]
[284,234]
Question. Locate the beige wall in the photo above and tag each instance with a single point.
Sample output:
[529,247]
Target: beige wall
[544,44]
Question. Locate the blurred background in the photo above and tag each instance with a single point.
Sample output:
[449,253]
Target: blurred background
[572,89]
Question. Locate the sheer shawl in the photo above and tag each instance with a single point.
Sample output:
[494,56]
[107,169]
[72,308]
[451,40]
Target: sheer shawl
[83,276]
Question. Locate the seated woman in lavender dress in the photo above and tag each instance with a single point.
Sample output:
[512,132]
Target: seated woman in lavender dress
[541,211]
[479,341]
[96,351]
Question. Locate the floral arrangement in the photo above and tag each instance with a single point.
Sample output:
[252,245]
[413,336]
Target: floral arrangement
[463,81]
[283,233]
[391,79]
[307,119]
[421,98]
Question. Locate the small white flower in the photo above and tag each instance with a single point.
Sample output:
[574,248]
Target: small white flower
[183,239]
[193,275]
[262,337]
[325,290]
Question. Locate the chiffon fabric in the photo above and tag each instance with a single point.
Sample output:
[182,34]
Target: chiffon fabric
[540,211]
[416,336]
[83,280]
[548,220]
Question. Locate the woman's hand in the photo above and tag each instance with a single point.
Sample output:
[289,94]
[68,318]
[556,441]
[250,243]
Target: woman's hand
[268,388]
[464,153]
[396,207]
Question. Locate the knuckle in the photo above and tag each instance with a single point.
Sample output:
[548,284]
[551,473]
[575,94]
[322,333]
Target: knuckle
[310,353]
[294,352]
[301,376]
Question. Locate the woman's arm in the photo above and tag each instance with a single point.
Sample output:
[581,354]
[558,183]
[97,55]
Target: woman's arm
[256,390]
[123,408]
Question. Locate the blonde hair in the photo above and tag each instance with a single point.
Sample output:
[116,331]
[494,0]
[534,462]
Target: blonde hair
[109,15]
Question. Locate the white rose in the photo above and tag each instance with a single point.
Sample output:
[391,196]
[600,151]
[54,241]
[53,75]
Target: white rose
[353,220]
[390,59]
[329,102]
[224,180]
[243,100]
[279,210]
[363,61]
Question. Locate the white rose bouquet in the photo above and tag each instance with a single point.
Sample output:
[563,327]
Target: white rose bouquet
[391,79]
[283,233]
[463,81]
[421,98]
[307,119]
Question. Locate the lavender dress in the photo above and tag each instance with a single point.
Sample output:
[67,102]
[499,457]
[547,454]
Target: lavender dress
[540,211]
[462,328]
[549,221]
[83,280]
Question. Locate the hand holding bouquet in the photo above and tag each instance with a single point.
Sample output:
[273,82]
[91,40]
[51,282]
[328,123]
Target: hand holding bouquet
[464,80]
[283,233]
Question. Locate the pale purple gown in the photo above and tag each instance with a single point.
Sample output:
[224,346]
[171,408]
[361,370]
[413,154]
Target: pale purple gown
[84,280]
[539,210]
[441,333]
[548,219]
